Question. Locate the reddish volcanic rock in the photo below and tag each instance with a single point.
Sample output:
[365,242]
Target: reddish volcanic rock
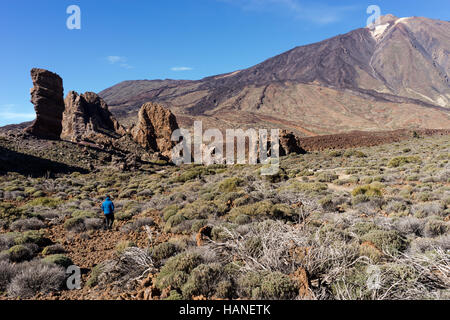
[87,117]
[154,129]
[47,96]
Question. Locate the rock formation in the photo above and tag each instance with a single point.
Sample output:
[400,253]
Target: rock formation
[290,143]
[47,95]
[86,117]
[154,129]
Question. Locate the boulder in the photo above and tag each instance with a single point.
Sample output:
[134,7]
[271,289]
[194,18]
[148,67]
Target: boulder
[47,95]
[154,129]
[86,117]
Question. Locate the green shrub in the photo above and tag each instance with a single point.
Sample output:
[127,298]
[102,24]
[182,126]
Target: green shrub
[170,211]
[368,191]
[194,173]
[277,286]
[224,290]
[202,281]
[435,227]
[391,241]
[400,161]
[32,236]
[267,286]
[174,295]
[58,259]
[74,223]
[355,153]
[93,278]
[230,184]
[176,270]
[20,253]
[45,202]
[174,221]
[163,251]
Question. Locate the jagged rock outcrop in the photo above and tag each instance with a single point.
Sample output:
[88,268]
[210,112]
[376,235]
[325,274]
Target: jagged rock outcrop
[290,143]
[154,129]
[86,117]
[47,95]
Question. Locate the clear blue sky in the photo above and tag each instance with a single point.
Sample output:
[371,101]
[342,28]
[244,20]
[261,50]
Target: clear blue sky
[158,39]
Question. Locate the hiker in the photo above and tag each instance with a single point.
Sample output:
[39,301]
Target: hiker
[108,211]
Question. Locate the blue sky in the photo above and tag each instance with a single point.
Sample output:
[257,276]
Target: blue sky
[165,39]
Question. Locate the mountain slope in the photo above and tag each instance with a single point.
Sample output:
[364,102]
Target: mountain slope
[395,76]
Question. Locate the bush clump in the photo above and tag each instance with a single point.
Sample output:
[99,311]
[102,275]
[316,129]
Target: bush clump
[391,241]
[163,251]
[20,253]
[176,271]
[267,286]
[36,278]
[400,161]
[202,281]
[368,191]
[58,259]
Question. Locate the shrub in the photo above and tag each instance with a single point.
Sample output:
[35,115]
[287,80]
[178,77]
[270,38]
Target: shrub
[355,153]
[27,224]
[230,184]
[224,290]
[170,211]
[36,278]
[32,236]
[176,270]
[368,191]
[267,286]
[45,202]
[174,295]
[75,224]
[174,221]
[58,259]
[327,203]
[93,223]
[53,249]
[391,241]
[435,227]
[163,251]
[93,278]
[400,161]
[7,273]
[20,253]
[202,281]
[242,219]
[308,187]
[277,286]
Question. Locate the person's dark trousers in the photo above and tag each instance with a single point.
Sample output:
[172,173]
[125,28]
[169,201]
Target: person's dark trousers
[109,220]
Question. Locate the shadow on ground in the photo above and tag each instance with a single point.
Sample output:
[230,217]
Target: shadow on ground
[12,161]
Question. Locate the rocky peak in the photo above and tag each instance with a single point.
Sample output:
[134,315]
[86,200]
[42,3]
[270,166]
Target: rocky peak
[86,117]
[47,96]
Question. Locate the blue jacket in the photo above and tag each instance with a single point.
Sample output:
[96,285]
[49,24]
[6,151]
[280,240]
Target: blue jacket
[108,206]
